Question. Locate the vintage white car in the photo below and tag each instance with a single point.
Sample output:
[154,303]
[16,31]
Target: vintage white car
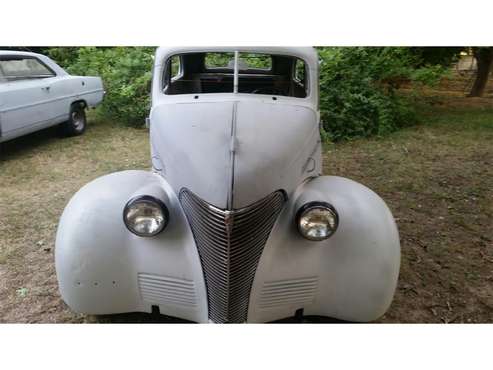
[36,93]
[235,222]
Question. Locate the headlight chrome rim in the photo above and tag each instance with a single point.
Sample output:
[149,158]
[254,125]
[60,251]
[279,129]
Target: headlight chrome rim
[150,200]
[305,208]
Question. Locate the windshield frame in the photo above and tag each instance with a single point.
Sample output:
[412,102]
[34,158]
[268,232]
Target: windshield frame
[163,84]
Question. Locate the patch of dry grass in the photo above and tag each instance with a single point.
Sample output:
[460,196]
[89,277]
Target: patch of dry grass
[436,177]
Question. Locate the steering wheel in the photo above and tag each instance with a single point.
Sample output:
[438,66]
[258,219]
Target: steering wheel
[268,90]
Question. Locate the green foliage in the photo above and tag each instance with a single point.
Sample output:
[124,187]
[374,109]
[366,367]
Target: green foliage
[218,60]
[251,60]
[358,86]
[65,57]
[126,74]
[435,55]
[429,75]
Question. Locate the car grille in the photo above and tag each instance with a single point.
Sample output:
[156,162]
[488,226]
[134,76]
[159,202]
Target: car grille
[297,292]
[167,290]
[230,244]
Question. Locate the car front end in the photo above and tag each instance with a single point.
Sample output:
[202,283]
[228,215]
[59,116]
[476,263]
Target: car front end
[235,222]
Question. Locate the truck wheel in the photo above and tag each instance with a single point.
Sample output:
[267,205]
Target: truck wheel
[76,124]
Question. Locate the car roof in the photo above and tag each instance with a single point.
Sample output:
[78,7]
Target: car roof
[308,54]
[19,53]
[50,63]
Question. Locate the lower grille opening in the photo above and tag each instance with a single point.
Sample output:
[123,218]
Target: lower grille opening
[282,293]
[167,290]
[230,244]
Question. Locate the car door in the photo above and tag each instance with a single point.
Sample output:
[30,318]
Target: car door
[27,98]
[63,91]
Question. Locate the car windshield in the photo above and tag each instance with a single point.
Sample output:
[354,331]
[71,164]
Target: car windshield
[21,68]
[243,72]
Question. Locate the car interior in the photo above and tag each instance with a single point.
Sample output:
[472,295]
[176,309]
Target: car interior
[205,73]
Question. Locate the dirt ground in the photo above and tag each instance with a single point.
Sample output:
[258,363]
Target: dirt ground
[436,177]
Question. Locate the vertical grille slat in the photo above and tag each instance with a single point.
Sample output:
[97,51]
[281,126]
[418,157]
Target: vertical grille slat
[230,244]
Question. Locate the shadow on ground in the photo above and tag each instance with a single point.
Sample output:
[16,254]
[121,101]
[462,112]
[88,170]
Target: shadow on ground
[146,318]
[24,145]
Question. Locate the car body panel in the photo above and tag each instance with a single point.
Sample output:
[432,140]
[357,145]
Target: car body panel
[30,105]
[201,165]
[267,153]
[102,268]
[276,148]
[351,276]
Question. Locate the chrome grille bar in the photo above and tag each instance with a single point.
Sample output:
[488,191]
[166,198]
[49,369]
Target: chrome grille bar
[230,244]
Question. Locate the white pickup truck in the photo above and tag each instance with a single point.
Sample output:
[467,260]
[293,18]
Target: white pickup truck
[36,93]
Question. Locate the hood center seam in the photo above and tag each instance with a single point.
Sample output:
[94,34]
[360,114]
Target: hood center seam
[232,148]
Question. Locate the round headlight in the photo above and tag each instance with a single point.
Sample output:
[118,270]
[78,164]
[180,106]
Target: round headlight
[145,215]
[317,220]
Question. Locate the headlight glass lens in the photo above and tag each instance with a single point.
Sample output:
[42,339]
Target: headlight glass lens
[145,216]
[317,221]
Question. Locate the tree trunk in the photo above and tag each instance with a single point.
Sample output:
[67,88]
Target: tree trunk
[484,59]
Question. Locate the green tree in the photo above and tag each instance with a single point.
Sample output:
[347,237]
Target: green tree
[484,59]
[434,55]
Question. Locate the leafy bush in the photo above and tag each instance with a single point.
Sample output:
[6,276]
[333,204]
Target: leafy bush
[126,74]
[64,56]
[358,89]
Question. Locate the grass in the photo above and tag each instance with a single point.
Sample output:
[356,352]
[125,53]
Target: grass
[436,177]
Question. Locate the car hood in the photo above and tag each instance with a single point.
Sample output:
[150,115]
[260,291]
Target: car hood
[233,153]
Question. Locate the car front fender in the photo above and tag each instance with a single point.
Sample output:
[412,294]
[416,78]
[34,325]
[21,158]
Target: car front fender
[102,268]
[350,276]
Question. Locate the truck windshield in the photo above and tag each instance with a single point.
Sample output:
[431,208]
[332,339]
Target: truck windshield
[228,72]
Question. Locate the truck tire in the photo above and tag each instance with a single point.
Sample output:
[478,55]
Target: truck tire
[76,124]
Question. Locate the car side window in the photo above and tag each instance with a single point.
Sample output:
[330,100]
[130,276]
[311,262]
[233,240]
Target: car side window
[300,78]
[173,71]
[22,68]
[299,72]
[176,69]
